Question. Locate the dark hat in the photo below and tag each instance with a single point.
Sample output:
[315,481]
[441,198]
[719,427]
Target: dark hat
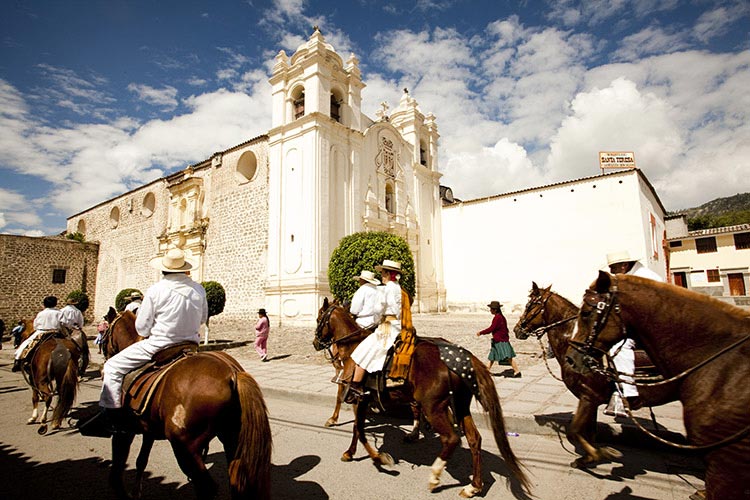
[494,305]
[262,311]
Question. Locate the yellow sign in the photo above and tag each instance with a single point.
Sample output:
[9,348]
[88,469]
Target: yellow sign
[616,159]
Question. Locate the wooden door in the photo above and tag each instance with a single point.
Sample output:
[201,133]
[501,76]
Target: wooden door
[680,279]
[736,284]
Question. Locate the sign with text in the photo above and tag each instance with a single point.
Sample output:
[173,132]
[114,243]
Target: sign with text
[616,159]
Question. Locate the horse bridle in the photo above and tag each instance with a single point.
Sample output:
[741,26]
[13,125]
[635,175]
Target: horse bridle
[603,304]
[539,332]
[323,322]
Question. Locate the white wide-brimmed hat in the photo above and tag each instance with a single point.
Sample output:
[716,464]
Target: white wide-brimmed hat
[618,257]
[368,276]
[136,295]
[389,265]
[171,262]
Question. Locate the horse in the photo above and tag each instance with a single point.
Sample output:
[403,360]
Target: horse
[78,337]
[697,342]
[204,395]
[120,333]
[52,369]
[550,313]
[440,393]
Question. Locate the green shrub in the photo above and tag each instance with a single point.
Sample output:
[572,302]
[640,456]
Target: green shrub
[215,296]
[76,236]
[123,298]
[81,298]
[366,250]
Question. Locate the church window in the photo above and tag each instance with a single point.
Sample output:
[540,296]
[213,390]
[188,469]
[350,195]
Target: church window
[149,205]
[247,167]
[82,227]
[335,109]
[422,154]
[298,102]
[58,276]
[114,217]
[390,199]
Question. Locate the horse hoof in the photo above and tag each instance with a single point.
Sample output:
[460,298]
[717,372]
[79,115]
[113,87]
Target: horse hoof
[330,422]
[346,457]
[469,491]
[433,484]
[42,430]
[609,453]
[31,421]
[385,459]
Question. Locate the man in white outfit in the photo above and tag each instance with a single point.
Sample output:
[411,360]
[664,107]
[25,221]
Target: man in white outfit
[136,299]
[70,316]
[366,303]
[624,351]
[48,320]
[371,352]
[172,311]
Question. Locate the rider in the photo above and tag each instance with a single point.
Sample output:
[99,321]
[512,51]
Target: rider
[70,316]
[172,311]
[136,299]
[48,320]
[624,351]
[371,352]
[366,304]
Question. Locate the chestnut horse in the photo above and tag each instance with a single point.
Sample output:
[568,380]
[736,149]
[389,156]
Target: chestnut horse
[205,395]
[52,369]
[120,333]
[550,313]
[440,393]
[700,343]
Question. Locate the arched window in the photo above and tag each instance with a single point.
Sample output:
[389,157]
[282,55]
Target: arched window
[247,166]
[422,153]
[81,227]
[390,199]
[149,205]
[335,107]
[298,102]
[114,217]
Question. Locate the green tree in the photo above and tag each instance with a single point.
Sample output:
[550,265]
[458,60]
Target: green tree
[366,250]
[216,297]
[81,298]
[123,298]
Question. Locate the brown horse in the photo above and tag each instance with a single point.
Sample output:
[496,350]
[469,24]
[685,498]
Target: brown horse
[52,369]
[120,333]
[550,313]
[202,396]
[440,393]
[700,343]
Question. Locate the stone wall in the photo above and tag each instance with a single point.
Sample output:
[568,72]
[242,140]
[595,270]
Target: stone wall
[27,265]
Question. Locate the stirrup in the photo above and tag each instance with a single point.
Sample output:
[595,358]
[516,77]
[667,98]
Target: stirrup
[353,392]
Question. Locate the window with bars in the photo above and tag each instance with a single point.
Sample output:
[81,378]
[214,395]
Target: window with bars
[58,275]
[713,275]
[705,245]
[742,241]
[675,244]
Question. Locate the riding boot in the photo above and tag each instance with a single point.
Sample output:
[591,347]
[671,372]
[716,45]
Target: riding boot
[17,364]
[354,392]
[96,426]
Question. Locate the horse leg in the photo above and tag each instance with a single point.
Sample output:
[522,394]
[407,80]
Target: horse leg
[474,438]
[47,397]
[35,407]
[416,412]
[580,433]
[121,442]
[440,421]
[334,418]
[358,428]
[189,459]
[141,463]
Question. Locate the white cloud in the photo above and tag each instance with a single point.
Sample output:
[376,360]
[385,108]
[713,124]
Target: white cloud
[716,22]
[165,97]
[649,41]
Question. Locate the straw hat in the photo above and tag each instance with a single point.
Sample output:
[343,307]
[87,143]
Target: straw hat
[171,262]
[618,257]
[389,265]
[367,276]
[136,295]
[494,305]
[72,302]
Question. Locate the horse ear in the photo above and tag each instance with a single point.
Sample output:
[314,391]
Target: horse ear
[325,303]
[534,287]
[111,314]
[603,282]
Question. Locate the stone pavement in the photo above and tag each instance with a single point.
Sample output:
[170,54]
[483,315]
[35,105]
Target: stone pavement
[536,403]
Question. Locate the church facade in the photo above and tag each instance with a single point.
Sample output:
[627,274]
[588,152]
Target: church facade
[263,217]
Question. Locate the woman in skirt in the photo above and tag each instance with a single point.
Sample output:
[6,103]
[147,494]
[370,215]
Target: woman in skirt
[501,348]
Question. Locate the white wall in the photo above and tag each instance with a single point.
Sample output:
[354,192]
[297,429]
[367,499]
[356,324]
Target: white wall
[560,234]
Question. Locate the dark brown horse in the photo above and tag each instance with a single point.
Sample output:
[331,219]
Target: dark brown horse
[440,393]
[120,333]
[52,369]
[202,396]
[550,313]
[700,343]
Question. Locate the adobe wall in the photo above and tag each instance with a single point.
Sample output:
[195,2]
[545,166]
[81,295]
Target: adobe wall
[26,265]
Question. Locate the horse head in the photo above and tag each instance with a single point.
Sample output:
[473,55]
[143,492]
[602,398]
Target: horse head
[594,333]
[533,315]
[323,333]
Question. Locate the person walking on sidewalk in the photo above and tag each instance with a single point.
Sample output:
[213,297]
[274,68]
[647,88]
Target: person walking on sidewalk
[500,350]
[262,328]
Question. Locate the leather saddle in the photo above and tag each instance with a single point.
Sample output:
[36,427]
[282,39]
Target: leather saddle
[139,385]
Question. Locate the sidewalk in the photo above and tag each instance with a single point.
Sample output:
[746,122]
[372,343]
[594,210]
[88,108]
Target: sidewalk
[533,404]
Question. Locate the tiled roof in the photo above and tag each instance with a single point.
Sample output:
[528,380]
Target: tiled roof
[739,228]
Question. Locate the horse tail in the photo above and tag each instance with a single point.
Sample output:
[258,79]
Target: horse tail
[250,470]
[490,401]
[67,382]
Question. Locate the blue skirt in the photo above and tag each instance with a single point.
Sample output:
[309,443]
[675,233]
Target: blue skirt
[500,351]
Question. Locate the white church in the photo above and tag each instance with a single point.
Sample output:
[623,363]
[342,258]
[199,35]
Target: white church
[263,217]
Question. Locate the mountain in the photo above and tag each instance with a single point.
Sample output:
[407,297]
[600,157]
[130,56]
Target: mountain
[719,212]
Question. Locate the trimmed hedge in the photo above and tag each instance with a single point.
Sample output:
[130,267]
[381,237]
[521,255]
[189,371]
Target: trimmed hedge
[364,251]
[122,298]
[216,297]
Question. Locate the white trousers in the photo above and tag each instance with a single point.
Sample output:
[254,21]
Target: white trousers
[130,358]
[25,343]
[625,363]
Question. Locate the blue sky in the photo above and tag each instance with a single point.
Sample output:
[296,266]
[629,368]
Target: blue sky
[99,97]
